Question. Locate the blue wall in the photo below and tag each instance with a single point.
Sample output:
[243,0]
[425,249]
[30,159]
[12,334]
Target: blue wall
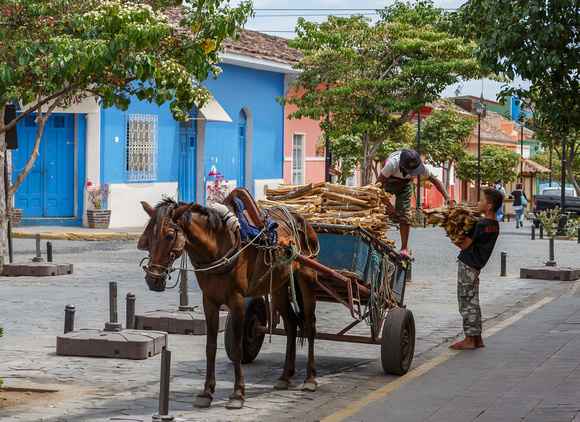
[236,88]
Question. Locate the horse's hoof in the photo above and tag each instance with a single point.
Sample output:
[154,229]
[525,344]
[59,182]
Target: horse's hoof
[282,385]
[234,404]
[309,386]
[202,402]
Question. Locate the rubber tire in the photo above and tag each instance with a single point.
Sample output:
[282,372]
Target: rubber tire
[254,314]
[398,341]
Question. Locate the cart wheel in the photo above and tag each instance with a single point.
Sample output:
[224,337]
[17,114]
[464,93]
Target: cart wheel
[398,341]
[254,315]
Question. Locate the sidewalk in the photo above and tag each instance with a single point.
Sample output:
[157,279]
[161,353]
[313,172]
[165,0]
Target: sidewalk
[528,371]
[76,233]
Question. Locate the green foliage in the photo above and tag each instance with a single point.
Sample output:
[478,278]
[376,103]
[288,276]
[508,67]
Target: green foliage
[550,220]
[537,40]
[111,49]
[371,77]
[496,163]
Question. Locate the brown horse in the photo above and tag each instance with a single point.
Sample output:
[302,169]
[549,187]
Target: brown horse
[224,270]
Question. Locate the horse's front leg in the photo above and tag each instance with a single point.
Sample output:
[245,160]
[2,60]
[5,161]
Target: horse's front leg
[236,306]
[282,305]
[211,311]
[307,280]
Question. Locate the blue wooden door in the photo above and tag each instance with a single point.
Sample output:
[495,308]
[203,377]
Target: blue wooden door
[48,189]
[187,158]
[242,148]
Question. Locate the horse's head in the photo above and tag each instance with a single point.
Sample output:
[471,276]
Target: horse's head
[163,239]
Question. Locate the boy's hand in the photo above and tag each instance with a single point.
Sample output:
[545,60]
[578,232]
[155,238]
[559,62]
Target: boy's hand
[449,201]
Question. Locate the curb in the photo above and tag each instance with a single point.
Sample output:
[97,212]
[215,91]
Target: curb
[79,236]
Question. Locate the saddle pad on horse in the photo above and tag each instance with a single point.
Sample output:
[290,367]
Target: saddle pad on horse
[249,231]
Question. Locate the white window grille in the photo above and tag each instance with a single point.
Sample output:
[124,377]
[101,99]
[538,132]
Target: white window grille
[141,151]
[298,159]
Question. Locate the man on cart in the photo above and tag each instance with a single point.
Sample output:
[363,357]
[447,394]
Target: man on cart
[396,177]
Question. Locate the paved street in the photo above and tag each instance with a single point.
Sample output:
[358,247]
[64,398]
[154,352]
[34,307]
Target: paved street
[93,389]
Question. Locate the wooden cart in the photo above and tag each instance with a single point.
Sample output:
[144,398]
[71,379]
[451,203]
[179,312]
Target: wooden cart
[363,274]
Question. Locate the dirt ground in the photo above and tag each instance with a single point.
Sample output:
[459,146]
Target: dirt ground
[15,396]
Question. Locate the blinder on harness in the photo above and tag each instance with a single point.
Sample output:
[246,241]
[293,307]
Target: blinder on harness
[249,231]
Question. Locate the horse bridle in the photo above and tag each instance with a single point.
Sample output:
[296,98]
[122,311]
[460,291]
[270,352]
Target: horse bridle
[167,265]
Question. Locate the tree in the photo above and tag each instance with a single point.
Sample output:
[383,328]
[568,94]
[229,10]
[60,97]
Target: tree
[346,150]
[496,163]
[551,140]
[538,40]
[57,52]
[371,77]
[444,137]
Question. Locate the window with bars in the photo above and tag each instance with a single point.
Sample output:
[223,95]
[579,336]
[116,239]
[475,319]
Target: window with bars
[298,159]
[141,151]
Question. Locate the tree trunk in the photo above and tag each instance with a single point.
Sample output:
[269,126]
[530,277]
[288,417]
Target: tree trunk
[366,170]
[571,177]
[448,176]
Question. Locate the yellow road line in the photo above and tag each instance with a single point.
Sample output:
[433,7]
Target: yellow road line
[387,389]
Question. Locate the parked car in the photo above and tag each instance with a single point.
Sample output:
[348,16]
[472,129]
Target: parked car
[551,197]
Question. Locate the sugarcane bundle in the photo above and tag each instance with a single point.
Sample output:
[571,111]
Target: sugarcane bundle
[456,219]
[334,204]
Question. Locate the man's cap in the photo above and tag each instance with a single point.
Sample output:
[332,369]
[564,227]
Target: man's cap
[411,162]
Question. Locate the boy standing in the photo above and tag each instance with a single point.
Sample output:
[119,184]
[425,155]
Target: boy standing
[475,252]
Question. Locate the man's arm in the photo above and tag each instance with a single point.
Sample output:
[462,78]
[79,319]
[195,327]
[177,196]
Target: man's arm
[433,179]
[465,244]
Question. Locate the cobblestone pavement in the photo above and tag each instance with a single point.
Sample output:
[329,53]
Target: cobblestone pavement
[94,389]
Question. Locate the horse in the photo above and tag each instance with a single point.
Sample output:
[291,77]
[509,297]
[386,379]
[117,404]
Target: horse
[224,271]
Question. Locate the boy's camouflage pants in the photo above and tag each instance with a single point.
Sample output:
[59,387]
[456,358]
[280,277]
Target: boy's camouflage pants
[468,297]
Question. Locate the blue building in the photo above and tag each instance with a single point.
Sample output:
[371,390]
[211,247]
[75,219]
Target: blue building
[144,153]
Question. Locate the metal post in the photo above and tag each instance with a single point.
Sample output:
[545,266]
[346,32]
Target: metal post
[563,184]
[541,231]
[164,387]
[533,231]
[327,150]
[503,264]
[49,251]
[418,204]
[551,262]
[113,324]
[183,291]
[130,320]
[478,156]
[6,187]
[38,257]
[522,154]
[424,221]
[550,182]
[578,234]
[69,318]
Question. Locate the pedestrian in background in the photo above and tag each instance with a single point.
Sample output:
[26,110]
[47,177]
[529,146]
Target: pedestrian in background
[475,252]
[518,206]
[499,187]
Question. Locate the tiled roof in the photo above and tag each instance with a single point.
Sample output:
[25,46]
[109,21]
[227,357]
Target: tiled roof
[527,132]
[490,133]
[532,167]
[251,43]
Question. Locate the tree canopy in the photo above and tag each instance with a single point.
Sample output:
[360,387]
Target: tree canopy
[371,77]
[445,135]
[537,40]
[495,163]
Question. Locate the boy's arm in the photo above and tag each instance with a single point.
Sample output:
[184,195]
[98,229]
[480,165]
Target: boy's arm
[465,244]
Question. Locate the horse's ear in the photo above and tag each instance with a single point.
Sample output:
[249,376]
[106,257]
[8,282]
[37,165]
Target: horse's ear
[148,208]
[143,244]
[179,211]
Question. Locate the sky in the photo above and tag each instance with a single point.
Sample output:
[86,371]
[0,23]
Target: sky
[278,17]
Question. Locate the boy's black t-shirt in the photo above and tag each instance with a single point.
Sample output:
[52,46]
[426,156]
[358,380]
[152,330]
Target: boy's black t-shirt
[484,234]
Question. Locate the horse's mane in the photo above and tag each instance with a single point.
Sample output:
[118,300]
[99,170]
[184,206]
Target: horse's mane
[166,206]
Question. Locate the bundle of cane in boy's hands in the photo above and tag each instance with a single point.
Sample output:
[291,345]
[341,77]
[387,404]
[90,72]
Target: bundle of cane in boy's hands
[456,219]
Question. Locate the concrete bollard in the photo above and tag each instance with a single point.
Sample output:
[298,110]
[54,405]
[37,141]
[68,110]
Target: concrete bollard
[113,324]
[69,318]
[130,320]
[38,257]
[164,388]
[49,251]
[503,272]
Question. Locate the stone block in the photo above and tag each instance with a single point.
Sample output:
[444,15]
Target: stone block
[177,322]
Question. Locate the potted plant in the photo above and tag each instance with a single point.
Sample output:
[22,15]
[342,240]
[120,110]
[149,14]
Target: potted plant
[98,217]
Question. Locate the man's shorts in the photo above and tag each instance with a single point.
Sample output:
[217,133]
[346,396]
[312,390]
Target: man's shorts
[403,191]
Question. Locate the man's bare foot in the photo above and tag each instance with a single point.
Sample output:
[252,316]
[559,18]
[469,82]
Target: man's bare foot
[479,341]
[469,342]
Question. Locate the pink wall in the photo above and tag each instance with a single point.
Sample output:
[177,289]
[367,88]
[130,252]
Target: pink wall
[315,165]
